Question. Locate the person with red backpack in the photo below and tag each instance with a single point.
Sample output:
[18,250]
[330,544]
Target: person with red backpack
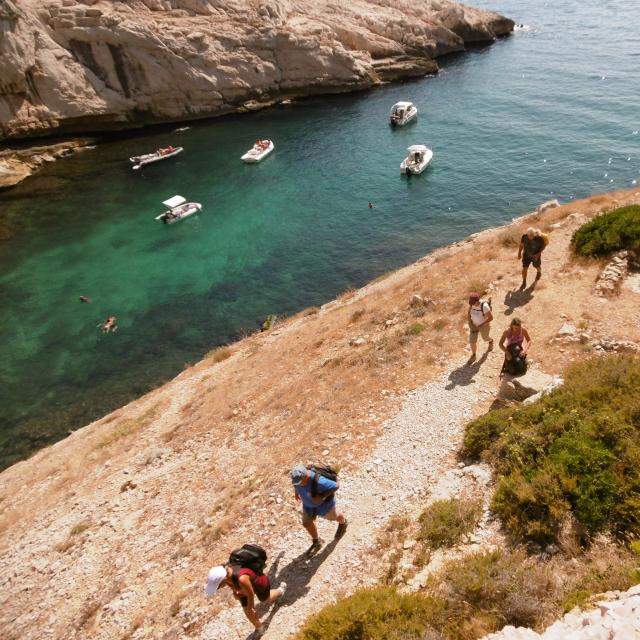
[316,486]
[244,575]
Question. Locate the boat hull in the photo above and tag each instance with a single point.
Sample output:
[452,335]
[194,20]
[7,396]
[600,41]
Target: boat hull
[150,158]
[413,169]
[180,213]
[253,155]
[406,119]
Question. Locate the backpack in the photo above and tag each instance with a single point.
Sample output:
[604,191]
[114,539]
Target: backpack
[249,556]
[487,302]
[545,238]
[517,366]
[326,472]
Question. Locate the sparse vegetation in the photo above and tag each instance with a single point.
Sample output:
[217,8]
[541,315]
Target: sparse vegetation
[356,315]
[444,523]
[219,354]
[440,323]
[574,452]
[610,231]
[80,527]
[414,329]
[125,428]
[311,311]
[476,595]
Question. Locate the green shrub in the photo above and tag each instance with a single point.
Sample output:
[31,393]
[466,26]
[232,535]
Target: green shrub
[414,329]
[445,522]
[611,231]
[371,614]
[576,450]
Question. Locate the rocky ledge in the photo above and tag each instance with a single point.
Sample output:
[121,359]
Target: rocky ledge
[68,66]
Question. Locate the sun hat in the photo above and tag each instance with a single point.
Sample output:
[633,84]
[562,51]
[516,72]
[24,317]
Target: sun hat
[474,297]
[298,474]
[215,577]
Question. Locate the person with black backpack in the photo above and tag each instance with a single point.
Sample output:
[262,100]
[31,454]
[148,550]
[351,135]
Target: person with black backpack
[515,342]
[316,486]
[244,575]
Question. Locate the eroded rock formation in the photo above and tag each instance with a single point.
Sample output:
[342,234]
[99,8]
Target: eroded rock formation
[69,66]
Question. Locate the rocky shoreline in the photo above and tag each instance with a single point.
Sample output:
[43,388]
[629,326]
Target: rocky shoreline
[71,67]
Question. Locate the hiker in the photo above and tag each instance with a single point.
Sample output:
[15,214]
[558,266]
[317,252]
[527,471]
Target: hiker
[532,245]
[244,575]
[479,317]
[316,487]
[515,342]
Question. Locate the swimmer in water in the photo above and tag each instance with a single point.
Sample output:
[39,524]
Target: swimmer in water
[109,325]
[85,299]
[371,205]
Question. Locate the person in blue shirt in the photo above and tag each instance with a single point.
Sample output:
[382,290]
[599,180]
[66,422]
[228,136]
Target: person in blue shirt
[306,483]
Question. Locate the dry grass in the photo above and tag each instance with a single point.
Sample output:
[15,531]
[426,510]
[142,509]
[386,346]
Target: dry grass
[127,427]
[356,315]
[80,527]
[440,323]
[219,354]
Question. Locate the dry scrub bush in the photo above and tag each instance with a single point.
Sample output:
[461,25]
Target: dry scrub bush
[219,354]
[356,315]
[445,523]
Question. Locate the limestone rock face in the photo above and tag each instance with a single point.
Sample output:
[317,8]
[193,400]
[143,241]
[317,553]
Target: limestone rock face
[69,66]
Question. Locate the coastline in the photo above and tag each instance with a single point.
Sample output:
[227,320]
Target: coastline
[137,484]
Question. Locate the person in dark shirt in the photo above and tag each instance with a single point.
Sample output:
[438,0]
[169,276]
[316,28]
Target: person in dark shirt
[530,250]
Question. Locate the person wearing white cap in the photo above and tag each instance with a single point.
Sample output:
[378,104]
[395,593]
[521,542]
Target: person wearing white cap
[245,585]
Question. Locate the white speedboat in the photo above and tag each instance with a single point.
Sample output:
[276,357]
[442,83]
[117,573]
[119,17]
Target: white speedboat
[156,156]
[260,150]
[417,160]
[178,209]
[402,113]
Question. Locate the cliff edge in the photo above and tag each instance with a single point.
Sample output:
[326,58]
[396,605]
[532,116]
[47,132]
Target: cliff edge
[68,66]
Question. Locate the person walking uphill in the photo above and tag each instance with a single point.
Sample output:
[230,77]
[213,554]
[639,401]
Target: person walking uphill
[479,317]
[317,492]
[244,575]
[532,245]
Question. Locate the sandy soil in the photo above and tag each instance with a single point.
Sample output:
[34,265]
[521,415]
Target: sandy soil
[109,533]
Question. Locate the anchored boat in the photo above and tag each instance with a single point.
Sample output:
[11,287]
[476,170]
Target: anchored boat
[156,156]
[178,209]
[417,160]
[260,150]
[402,113]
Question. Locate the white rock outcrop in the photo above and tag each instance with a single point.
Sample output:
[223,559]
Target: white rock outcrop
[68,66]
[616,618]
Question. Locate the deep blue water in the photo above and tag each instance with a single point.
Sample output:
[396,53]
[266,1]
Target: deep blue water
[548,112]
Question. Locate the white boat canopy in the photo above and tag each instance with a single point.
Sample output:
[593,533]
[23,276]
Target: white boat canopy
[401,105]
[417,148]
[174,202]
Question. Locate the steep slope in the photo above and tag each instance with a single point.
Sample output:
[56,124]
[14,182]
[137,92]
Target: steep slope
[68,66]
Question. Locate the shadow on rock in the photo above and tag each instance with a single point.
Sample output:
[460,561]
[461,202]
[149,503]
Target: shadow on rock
[463,376]
[297,574]
[518,298]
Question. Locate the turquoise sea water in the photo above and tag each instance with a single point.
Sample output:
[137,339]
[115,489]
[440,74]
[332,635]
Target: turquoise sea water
[549,112]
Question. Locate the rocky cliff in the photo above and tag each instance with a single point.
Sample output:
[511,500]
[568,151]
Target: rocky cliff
[68,66]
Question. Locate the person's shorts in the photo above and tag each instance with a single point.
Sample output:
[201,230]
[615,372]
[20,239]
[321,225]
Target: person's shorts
[261,587]
[329,512]
[527,260]
[483,330]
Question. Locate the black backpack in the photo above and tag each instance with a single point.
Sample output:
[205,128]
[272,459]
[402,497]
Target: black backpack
[326,472]
[249,556]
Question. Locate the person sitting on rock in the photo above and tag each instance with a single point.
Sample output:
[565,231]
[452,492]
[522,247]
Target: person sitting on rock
[515,342]
[246,582]
[318,496]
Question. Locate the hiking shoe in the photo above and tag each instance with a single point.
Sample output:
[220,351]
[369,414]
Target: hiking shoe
[316,545]
[341,530]
[283,587]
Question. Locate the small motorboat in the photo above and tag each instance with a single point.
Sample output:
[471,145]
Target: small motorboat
[178,209]
[417,160]
[156,156]
[402,113]
[260,150]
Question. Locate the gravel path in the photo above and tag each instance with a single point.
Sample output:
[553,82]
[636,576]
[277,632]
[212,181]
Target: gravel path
[413,456]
